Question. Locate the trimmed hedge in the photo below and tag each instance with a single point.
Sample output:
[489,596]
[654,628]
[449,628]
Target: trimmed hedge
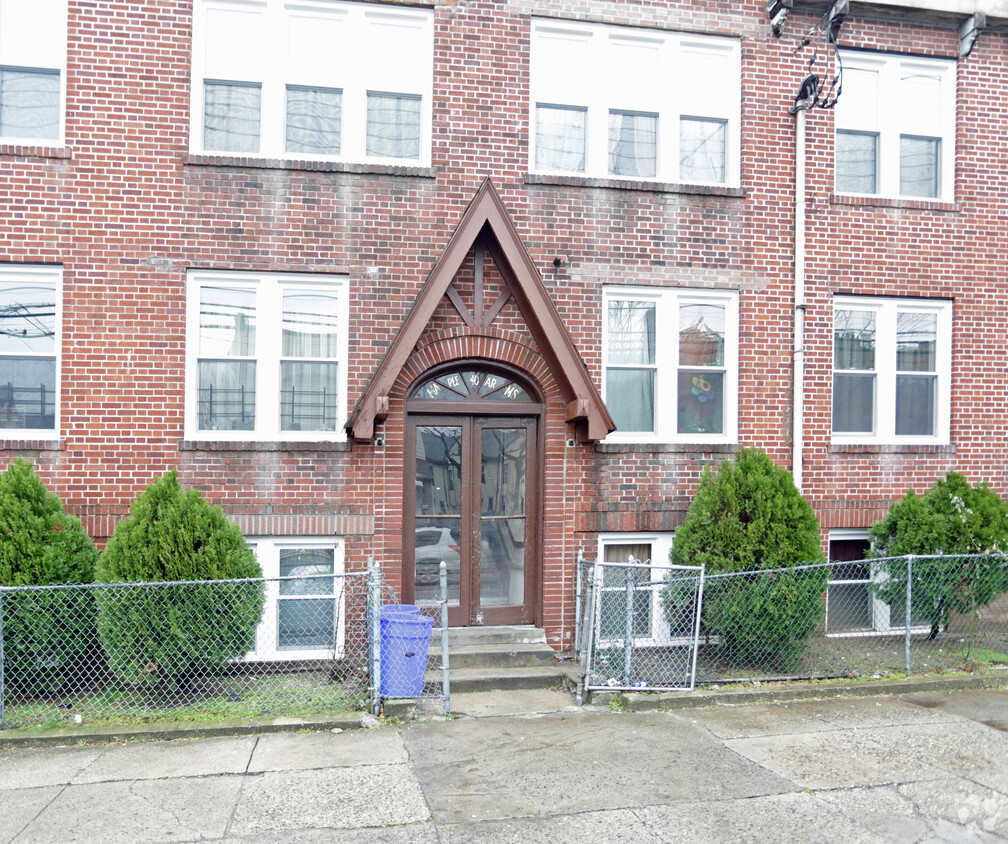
[46,633]
[749,517]
[171,635]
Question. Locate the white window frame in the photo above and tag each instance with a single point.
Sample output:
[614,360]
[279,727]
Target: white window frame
[880,610]
[598,83]
[661,547]
[667,302]
[33,36]
[888,120]
[268,352]
[26,274]
[886,310]
[335,53]
[267,550]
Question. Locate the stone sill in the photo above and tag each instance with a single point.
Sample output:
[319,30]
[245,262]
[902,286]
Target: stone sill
[890,202]
[32,445]
[637,185]
[892,448]
[666,448]
[247,445]
[256,163]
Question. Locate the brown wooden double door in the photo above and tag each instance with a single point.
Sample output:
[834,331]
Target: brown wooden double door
[470,499]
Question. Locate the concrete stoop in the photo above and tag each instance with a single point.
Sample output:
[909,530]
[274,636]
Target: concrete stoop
[490,658]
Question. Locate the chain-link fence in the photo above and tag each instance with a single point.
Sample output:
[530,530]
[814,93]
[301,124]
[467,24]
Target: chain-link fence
[125,653]
[917,614]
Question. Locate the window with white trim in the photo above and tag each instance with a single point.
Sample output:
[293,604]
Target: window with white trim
[319,80]
[671,364]
[266,356]
[32,70]
[647,559]
[892,362]
[637,104]
[304,615]
[895,126]
[30,319]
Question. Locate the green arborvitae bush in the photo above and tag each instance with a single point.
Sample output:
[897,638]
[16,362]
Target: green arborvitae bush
[952,520]
[749,517]
[46,633]
[169,636]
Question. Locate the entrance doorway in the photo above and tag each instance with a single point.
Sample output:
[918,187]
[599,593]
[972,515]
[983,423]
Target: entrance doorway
[471,496]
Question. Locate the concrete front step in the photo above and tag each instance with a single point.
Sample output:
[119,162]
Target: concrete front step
[485,680]
[515,634]
[494,656]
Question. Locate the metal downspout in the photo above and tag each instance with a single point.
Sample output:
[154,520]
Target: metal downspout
[798,358]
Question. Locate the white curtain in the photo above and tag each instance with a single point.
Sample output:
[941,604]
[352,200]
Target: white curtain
[702,147]
[231,117]
[857,162]
[313,120]
[560,139]
[393,126]
[29,103]
[632,144]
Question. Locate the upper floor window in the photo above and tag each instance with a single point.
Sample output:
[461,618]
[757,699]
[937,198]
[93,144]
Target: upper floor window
[32,70]
[892,361]
[671,364]
[323,80]
[29,350]
[895,126]
[634,103]
[266,356]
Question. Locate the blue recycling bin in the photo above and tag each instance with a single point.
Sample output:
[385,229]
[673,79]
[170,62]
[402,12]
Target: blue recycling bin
[405,638]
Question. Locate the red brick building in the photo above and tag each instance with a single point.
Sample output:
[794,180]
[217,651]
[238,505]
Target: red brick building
[494,282]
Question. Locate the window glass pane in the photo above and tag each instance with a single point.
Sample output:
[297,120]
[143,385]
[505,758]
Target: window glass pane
[854,340]
[502,561]
[308,396]
[225,395]
[29,103]
[631,332]
[848,607]
[853,403]
[306,563]
[630,398]
[702,147]
[919,166]
[436,540]
[439,470]
[231,117]
[916,339]
[632,144]
[701,402]
[27,392]
[313,120]
[393,126]
[306,623]
[915,405]
[28,318]
[613,604]
[560,139]
[310,324]
[857,162]
[502,472]
[701,335]
[227,322]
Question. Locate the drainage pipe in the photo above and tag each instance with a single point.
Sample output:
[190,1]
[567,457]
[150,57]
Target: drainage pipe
[798,357]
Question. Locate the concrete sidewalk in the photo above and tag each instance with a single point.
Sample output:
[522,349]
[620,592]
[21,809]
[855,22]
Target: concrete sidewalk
[529,767]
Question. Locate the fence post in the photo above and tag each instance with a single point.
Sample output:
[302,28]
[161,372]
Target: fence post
[696,625]
[445,679]
[2,722]
[909,601]
[587,627]
[578,595]
[374,632]
[631,579]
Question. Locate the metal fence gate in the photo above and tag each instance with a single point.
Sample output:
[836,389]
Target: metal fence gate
[638,625]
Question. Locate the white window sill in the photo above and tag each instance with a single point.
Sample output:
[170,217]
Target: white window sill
[613,183]
[406,168]
[872,200]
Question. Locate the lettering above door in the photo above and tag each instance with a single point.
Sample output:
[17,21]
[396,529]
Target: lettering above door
[465,384]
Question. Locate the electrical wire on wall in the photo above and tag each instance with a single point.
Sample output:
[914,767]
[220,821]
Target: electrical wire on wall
[825,62]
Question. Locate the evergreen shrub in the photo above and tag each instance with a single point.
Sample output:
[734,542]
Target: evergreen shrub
[749,517]
[171,635]
[46,633]
[966,527]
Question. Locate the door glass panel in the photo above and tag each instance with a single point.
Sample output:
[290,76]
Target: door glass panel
[502,494]
[502,480]
[502,561]
[436,540]
[438,471]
